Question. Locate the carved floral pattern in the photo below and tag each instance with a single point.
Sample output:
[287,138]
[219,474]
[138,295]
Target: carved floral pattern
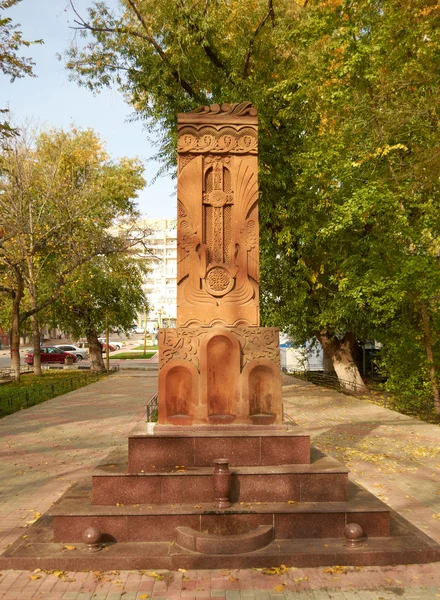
[241,139]
[239,109]
[184,343]
[218,279]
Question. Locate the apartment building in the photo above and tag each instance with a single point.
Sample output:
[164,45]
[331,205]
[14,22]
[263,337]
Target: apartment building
[160,285]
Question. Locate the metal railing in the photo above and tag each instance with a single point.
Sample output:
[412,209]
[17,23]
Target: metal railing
[12,400]
[333,382]
[152,409]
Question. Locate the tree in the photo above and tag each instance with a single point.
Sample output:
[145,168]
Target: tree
[348,98]
[59,196]
[11,64]
[107,291]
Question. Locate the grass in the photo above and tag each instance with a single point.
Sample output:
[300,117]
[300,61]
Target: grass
[132,355]
[32,389]
[141,347]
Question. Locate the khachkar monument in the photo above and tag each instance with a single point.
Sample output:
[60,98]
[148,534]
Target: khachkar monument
[218,366]
[219,482]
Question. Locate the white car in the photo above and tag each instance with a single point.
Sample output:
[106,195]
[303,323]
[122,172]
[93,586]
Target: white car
[117,345]
[80,353]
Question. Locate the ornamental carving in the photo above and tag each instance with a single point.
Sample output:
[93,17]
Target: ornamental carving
[230,139]
[241,109]
[183,343]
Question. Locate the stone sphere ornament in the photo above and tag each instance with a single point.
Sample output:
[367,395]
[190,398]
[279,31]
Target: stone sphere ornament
[92,538]
[353,534]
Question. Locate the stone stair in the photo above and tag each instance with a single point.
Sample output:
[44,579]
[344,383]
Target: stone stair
[155,508]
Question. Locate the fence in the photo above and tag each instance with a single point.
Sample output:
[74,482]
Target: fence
[152,409]
[12,400]
[333,382]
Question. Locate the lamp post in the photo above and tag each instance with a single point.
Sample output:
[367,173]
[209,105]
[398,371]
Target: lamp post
[160,312]
[145,329]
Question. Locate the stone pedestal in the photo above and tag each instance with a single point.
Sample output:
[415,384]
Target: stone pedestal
[219,375]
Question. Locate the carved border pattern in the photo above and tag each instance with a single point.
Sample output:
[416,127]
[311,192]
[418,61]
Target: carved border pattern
[184,343]
[238,109]
[208,138]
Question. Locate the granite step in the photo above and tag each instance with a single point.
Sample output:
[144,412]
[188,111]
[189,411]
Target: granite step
[323,480]
[158,522]
[164,447]
[405,545]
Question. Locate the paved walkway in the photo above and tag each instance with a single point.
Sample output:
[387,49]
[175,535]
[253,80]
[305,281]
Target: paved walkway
[44,449]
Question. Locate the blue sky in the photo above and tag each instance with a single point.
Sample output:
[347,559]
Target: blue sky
[50,99]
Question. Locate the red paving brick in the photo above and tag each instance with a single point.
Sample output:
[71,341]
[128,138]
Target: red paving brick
[44,449]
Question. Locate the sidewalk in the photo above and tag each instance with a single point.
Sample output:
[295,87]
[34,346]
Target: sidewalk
[46,448]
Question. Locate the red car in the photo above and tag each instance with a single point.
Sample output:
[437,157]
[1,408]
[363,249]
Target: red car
[48,355]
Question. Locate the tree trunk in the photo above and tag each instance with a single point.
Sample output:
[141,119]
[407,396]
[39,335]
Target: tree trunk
[95,352]
[36,338]
[341,355]
[15,330]
[430,357]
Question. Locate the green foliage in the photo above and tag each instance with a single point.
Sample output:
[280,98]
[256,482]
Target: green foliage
[33,390]
[349,104]
[11,63]
[106,290]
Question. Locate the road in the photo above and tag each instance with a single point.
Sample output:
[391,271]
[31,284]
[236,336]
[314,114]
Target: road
[129,343]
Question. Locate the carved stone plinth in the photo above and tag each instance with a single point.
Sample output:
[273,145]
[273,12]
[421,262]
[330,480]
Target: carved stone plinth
[219,375]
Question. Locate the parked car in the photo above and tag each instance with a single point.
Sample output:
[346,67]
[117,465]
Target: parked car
[48,354]
[82,345]
[117,345]
[110,347]
[80,353]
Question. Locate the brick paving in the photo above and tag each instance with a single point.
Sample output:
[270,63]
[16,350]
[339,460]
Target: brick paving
[44,449]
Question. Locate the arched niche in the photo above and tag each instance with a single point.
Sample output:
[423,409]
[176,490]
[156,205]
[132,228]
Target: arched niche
[178,392]
[261,391]
[220,372]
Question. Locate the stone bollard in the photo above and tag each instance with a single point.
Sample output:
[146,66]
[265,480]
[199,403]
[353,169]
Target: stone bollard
[353,534]
[221,479]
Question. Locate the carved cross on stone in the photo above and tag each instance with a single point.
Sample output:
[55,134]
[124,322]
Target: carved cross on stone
[218,195]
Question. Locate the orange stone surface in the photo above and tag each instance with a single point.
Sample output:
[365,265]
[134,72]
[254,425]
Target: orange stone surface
[218,366]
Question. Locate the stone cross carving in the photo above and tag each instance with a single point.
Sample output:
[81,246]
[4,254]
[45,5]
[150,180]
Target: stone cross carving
[218,266]
[218,367]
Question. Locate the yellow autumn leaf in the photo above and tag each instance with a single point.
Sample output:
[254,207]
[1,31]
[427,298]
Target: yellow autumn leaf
[280,587]
[34,576]
[232,579]
[291,502]
[70,547]
[58,574]
[275,570]
[144,596]
[335,570]
[182,570]
[437,516]
[155,575]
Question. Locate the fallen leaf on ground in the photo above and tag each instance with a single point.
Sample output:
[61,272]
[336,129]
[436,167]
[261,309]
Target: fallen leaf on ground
[70,547]
[291,502]
[232,579]
[144,596]
[182,570]
[157,576]
[336,570]
[34,576]
[280,587]
[275,570]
